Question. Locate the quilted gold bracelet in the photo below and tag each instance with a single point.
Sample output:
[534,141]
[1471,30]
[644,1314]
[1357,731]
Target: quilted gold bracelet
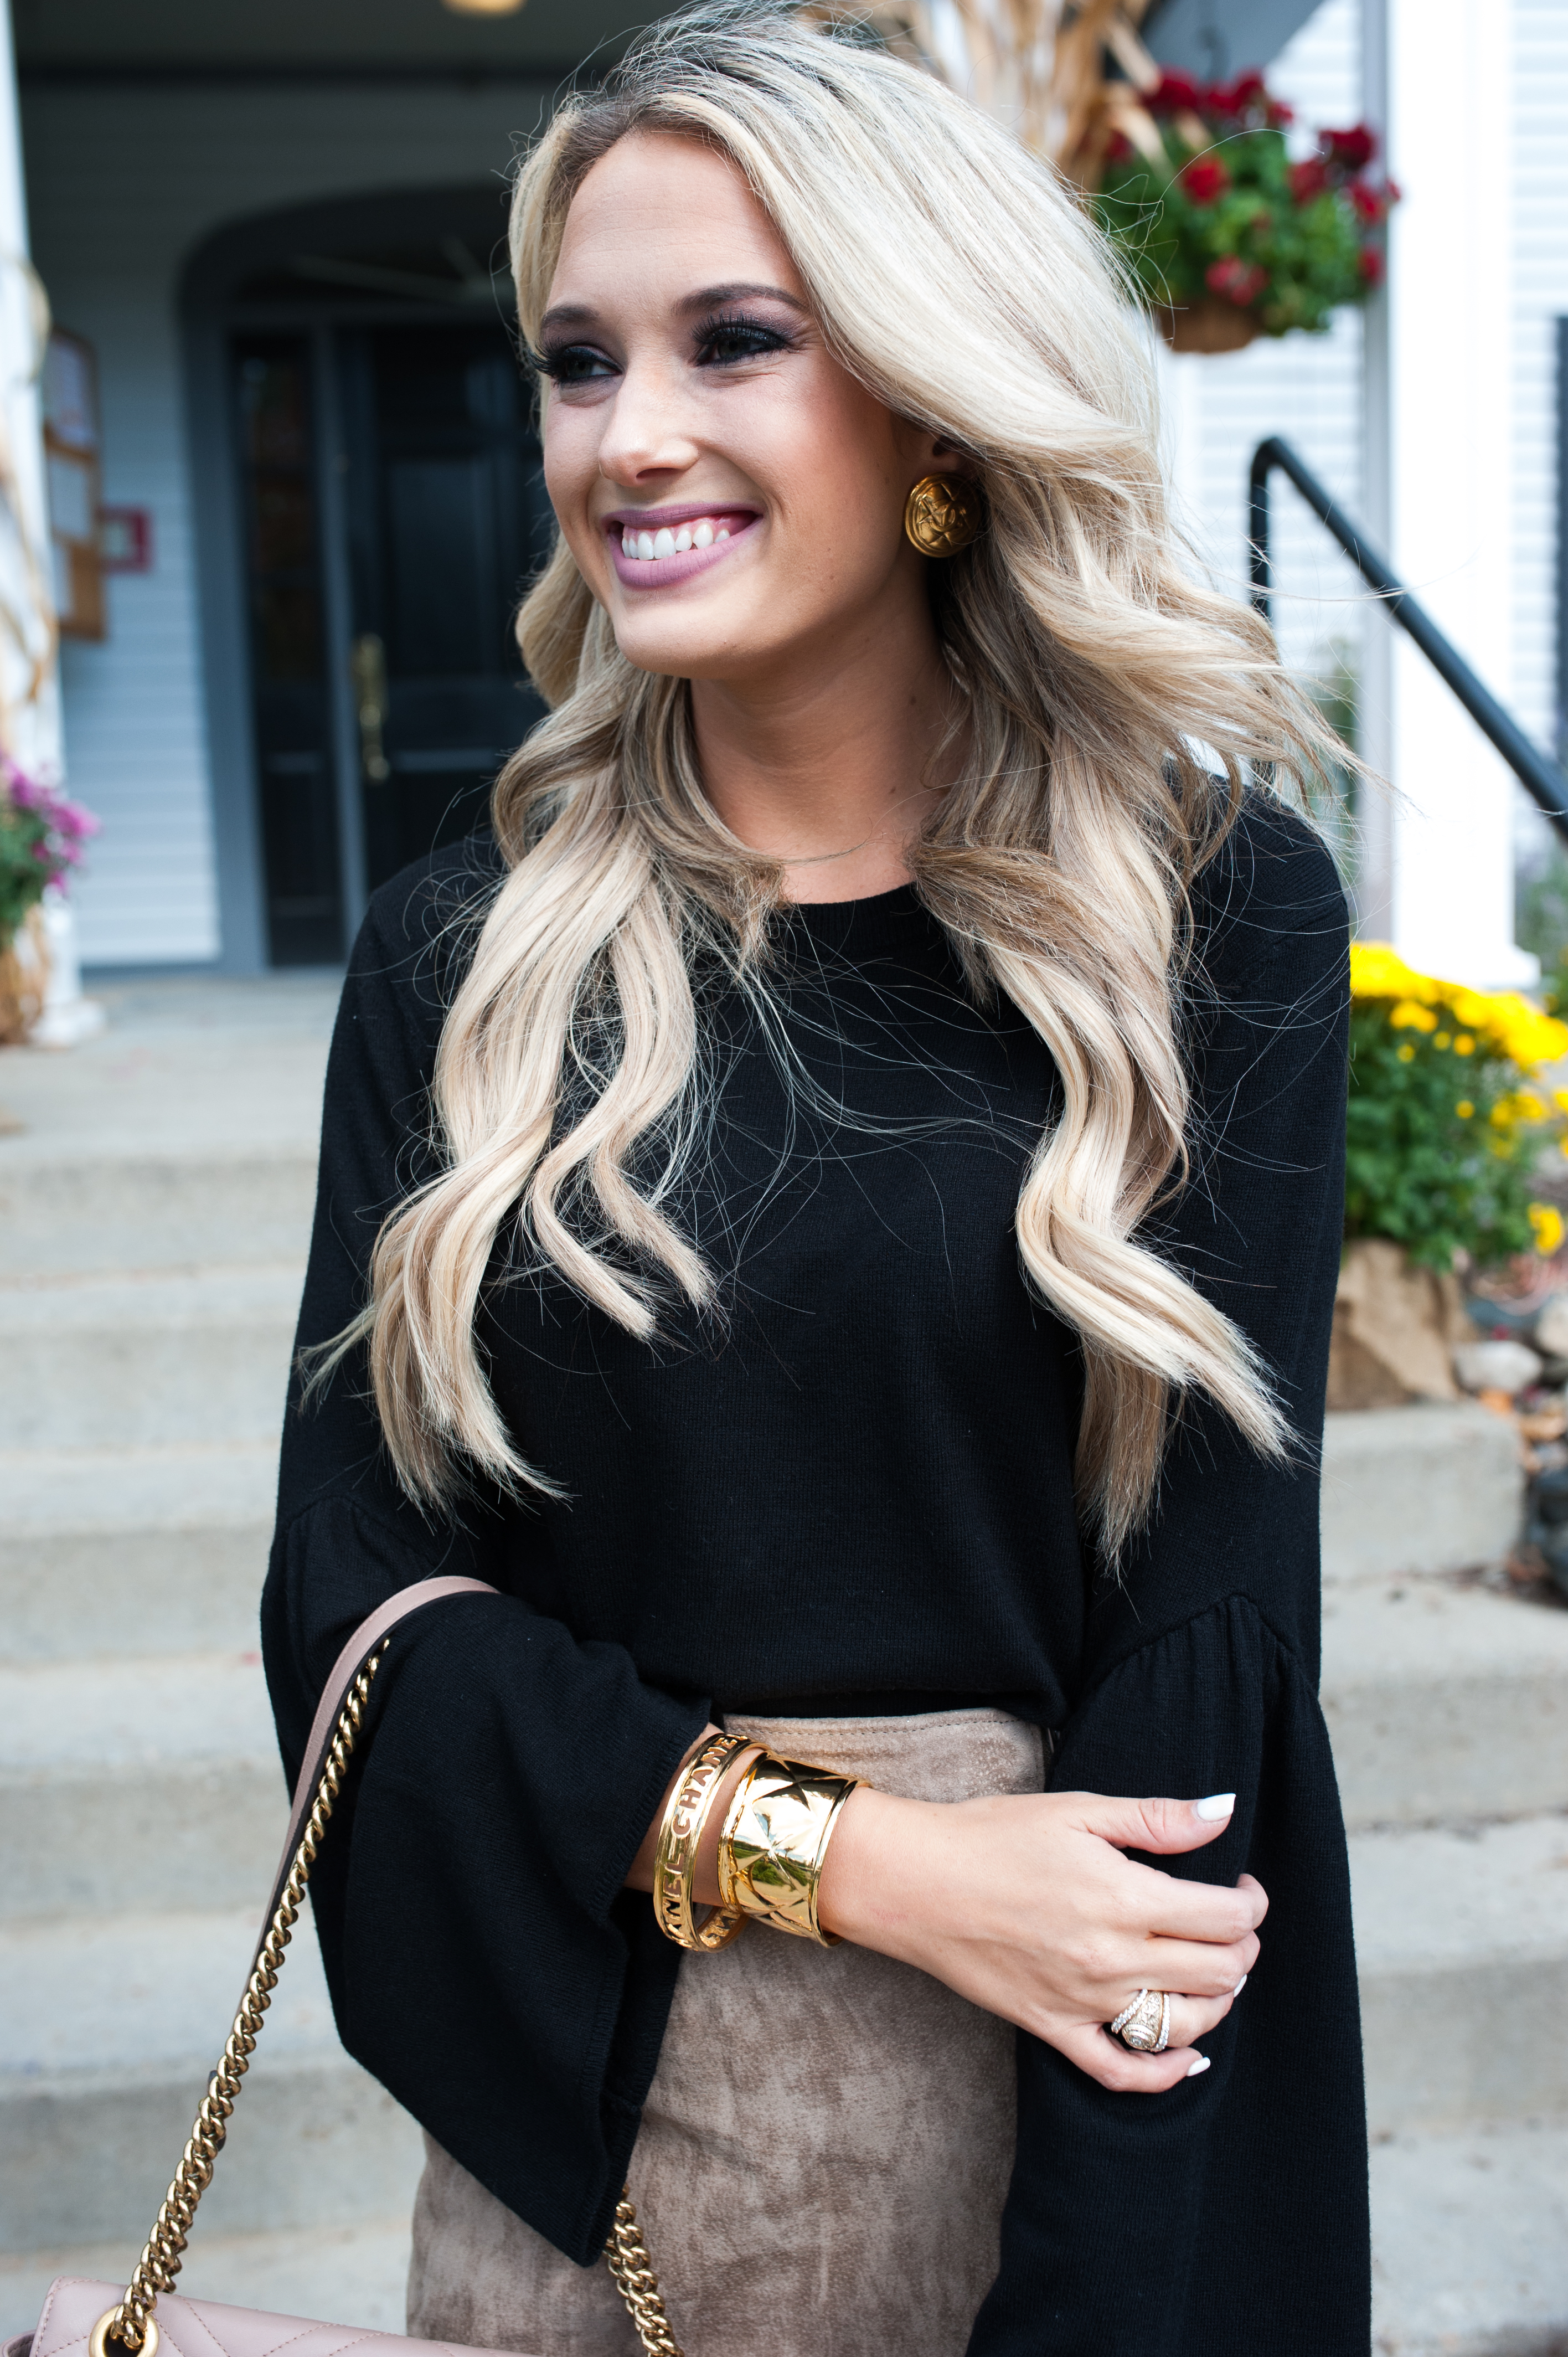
[774,1839]
[675,1859]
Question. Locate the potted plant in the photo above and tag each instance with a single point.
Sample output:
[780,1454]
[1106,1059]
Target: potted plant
[1228,238]
[1448,1126]
[42,837]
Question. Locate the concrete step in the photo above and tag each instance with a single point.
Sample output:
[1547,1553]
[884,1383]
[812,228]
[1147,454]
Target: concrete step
[355,2275]
[111,1213]
[111,1362]
[132,1551]
[1418,1489]
[1471,2245]
[1462,1944]
[156,1783]
[1445,1701]
[109,2029]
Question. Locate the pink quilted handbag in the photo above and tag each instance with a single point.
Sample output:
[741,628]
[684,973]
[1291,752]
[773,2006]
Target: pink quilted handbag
[95,2320]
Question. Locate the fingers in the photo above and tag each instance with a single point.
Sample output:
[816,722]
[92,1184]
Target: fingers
[1105,2058]
[1162,1827]
[1199,1968]
[1193,2018]
[1198,1910]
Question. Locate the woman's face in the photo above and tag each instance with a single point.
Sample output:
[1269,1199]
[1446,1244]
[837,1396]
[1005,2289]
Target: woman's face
[733,497]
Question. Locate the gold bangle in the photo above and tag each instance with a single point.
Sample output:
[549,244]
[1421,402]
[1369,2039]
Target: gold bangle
[774,1839]
[680,1835]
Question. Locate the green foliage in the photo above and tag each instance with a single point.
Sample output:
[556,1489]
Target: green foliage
[1442,1146]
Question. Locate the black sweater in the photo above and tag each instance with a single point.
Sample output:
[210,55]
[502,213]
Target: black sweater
[851,1489]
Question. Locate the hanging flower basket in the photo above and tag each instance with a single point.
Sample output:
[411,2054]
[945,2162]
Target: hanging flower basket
[1225,236]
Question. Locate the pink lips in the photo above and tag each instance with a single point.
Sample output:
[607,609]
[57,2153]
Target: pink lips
[669,572]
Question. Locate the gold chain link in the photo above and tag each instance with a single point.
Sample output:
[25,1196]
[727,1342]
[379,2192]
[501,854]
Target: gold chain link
[130,2323]
[637,2283]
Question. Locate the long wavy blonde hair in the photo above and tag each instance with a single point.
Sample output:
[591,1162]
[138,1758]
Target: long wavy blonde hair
[960,280]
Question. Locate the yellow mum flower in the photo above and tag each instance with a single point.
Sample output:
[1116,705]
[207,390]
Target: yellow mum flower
[1377,971]
[1465,1110]
[1503,1114]
[1528,1106]
[1407,1054]
[1409,1016]
[1560,1099]
[1464,1045]
[1444,1040]
[1547,1222]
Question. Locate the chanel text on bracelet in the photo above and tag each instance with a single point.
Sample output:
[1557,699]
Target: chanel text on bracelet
[774,1839]
[675,1859]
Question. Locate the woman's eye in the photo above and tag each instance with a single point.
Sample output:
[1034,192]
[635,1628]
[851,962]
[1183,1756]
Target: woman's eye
[721,346]
[575,364]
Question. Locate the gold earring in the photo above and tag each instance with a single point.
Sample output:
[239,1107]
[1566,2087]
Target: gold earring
[943,514]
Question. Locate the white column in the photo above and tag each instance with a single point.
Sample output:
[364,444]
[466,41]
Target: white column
[1449,459]
[35,721]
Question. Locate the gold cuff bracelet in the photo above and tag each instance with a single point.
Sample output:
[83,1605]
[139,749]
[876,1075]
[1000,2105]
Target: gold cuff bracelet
[675,1860]
[774,1839]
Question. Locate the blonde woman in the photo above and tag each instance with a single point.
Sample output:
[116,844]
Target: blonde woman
[834,1217]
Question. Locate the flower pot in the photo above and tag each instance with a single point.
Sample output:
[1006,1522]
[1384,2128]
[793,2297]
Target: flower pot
[1395,1327]
[23,979]
[1210,325]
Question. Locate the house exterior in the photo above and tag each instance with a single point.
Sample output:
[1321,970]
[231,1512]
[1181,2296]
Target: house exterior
[274,230]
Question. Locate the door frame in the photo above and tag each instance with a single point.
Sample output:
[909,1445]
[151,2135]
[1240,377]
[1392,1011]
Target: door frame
[210,314]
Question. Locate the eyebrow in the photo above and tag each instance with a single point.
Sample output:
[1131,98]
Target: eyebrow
[705,298]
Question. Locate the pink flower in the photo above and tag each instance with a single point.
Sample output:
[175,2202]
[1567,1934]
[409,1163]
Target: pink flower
[1239,282]
[1353,150]
[1206,179]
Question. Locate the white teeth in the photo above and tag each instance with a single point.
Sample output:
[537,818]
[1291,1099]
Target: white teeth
[724,532]
[644,544]
[703,535]
[664,544]
[627,540]
[683,540]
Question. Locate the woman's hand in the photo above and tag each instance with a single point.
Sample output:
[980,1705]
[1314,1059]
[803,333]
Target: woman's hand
[1026,1906]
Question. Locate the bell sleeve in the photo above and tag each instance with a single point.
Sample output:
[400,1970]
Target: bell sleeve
[484,1962]
[1230,2215]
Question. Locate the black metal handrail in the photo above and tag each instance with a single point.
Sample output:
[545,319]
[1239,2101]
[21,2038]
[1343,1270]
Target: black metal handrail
[1541,779]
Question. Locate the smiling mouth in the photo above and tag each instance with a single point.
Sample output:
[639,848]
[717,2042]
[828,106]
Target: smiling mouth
[688,532]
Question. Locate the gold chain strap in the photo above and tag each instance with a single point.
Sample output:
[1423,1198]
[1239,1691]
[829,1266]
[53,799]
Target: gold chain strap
[637,2283]
[133,2324]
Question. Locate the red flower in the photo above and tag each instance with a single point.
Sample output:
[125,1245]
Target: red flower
[1280,114]
[1239,282]
[1117,147]
[1205,179]
[1174,93]
[1392,192]
[1353,149]
[1309,179]
[1372,264]
[1367,203]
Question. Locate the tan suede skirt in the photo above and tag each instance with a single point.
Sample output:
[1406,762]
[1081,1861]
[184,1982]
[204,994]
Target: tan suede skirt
[826,2146]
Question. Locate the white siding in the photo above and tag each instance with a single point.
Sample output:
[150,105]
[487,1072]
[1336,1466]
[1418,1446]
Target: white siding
[121,188]
[1307,388]
[1540,193]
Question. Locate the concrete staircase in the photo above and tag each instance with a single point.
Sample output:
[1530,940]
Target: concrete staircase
[152,1231]
[153,1223]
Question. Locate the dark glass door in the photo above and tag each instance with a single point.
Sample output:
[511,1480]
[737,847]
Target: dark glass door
[291,698]
[446,519]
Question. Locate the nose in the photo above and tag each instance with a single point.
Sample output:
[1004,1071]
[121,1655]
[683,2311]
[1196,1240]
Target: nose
[648,429]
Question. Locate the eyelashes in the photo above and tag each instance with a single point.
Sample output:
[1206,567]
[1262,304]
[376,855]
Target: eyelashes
[726,339]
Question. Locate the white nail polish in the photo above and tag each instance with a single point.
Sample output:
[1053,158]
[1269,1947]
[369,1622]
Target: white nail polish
[1196,2070]
[1240,1985]
[1217,1804]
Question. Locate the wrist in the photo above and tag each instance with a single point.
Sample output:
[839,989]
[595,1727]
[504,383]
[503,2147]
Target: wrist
[871,1872]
